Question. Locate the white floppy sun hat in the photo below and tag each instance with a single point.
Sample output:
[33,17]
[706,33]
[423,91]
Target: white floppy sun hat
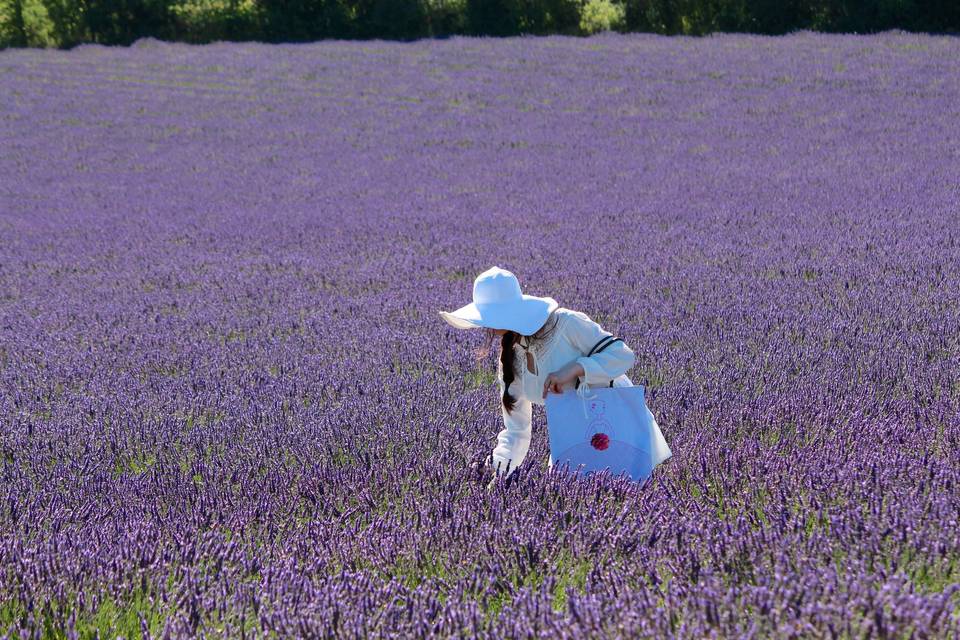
[498,303]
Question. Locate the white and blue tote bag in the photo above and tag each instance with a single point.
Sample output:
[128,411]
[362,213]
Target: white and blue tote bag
[594,429]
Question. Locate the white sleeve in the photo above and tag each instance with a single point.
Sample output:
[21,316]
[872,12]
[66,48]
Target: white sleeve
[514,440]
[615,360]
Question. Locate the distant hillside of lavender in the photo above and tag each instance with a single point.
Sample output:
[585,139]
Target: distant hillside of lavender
[229,407]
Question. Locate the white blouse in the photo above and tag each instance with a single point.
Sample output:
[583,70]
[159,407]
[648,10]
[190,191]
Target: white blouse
[574,336]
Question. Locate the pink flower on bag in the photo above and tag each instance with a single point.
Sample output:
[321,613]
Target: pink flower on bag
[600,441]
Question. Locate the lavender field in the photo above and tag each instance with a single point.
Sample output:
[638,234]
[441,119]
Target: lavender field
[229,407]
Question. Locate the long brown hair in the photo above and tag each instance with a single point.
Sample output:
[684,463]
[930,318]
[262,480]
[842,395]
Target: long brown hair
[506,363]
[507,342]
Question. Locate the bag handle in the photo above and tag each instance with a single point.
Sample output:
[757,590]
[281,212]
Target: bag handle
[606,341]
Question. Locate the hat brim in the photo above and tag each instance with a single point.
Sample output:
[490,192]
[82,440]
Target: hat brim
[524,316]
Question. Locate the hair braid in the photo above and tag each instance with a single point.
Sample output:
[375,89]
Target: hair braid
[507,359]
[506,363]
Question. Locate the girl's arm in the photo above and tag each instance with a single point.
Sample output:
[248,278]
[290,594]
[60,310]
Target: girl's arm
[514,440]
[612,362]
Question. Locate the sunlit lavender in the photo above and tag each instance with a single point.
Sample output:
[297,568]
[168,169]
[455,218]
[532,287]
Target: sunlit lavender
[228,405]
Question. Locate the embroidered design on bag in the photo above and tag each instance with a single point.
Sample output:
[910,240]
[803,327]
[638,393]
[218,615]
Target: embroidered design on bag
[606,441]
[599,432]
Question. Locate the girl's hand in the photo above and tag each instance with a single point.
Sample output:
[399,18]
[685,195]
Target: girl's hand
[558,379]
[484,468]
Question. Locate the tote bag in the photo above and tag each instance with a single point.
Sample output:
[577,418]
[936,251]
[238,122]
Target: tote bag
[594,429]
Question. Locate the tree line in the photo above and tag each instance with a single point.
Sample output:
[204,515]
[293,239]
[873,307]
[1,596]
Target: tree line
[66,23]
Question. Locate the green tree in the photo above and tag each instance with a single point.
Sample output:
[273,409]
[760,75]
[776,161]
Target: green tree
[304,20]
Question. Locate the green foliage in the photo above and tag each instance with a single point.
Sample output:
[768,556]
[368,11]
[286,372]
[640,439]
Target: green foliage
[392,19]
[111,619]
[26,23]
[65,23]
[481,378]
[699,17]
[571,573]
[516,17]
[445,17]
[210,20]
[303,20]
[602,15]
